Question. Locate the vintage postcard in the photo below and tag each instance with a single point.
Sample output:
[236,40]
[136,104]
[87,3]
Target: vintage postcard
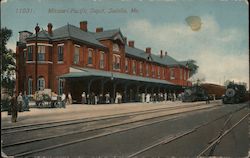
[124,78]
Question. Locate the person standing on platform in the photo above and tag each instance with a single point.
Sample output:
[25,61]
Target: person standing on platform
[83,98]
[174,97]
[143,97]
[107,96]
[20,102]
[25,102]
[14,108]
[63,100]
[147,98]
[69,98]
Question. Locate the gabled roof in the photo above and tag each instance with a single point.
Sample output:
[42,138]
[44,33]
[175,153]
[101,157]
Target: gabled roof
[68,32]
[170,61]
[135,52]
[165,60]
[107,34]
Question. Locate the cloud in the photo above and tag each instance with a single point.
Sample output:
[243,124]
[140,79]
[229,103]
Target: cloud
[220,53]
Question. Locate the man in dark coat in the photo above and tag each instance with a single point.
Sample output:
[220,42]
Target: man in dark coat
[14,108]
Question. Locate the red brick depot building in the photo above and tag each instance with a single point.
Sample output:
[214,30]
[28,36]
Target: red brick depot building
[71,59]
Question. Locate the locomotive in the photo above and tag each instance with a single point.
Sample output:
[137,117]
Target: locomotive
[194,93]
[234,94]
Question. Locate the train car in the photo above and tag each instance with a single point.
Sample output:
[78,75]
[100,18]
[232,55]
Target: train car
[234,94]
[194,93]
[213,90]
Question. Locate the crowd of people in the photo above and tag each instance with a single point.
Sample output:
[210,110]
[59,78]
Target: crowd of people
[93,98]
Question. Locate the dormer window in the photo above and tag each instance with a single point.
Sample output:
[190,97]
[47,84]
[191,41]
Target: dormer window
[116,47]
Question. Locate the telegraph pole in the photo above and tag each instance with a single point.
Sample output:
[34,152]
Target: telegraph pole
[37,28]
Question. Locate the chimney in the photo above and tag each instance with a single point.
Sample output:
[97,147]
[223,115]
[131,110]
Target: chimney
[166,53]
[99,29]
[148,50]
[161,54]
[131,43]
[50,26]
[84,26]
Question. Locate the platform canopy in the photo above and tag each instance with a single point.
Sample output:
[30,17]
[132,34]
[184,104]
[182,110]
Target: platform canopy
[78,72]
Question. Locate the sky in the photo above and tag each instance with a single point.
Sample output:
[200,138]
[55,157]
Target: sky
[219,45]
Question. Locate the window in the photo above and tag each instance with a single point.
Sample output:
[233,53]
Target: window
[60,86]
[41,53]
[163,73]
[126,65]
[41,83]
[60,53]
[30,53]
[153,71]
[24,55]
[172,76]
[185,75]
[134,67]
[30,86]
[116,47]
[158,72]
[116,62]
[180,74]
[140,68]
[101,60]
[90,56]
[147,71]
[76,55]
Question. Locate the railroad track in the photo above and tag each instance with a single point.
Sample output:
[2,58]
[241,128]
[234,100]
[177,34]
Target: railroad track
[171,138]
[140,121]
[37,126]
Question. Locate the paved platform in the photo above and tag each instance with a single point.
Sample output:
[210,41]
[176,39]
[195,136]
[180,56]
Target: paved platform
[77,111]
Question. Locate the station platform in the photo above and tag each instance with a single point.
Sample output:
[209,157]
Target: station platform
[81,111]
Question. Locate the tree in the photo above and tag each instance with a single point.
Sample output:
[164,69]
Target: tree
[7,62]
[191,64]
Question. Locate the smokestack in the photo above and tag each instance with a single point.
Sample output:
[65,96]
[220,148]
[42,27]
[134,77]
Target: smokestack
[166,53]
[131,43]
[148,50]
[99,29]
[84,26]
[161,54]
[50,26]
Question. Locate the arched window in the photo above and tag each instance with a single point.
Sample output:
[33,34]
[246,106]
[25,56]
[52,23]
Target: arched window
[41,83]
[126,65]
[76,54]
[134,67]
[140,67]
[147,70]
[116,47]
[172,75]
[180,74]
[30,86]
[101,59]
[90,56]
